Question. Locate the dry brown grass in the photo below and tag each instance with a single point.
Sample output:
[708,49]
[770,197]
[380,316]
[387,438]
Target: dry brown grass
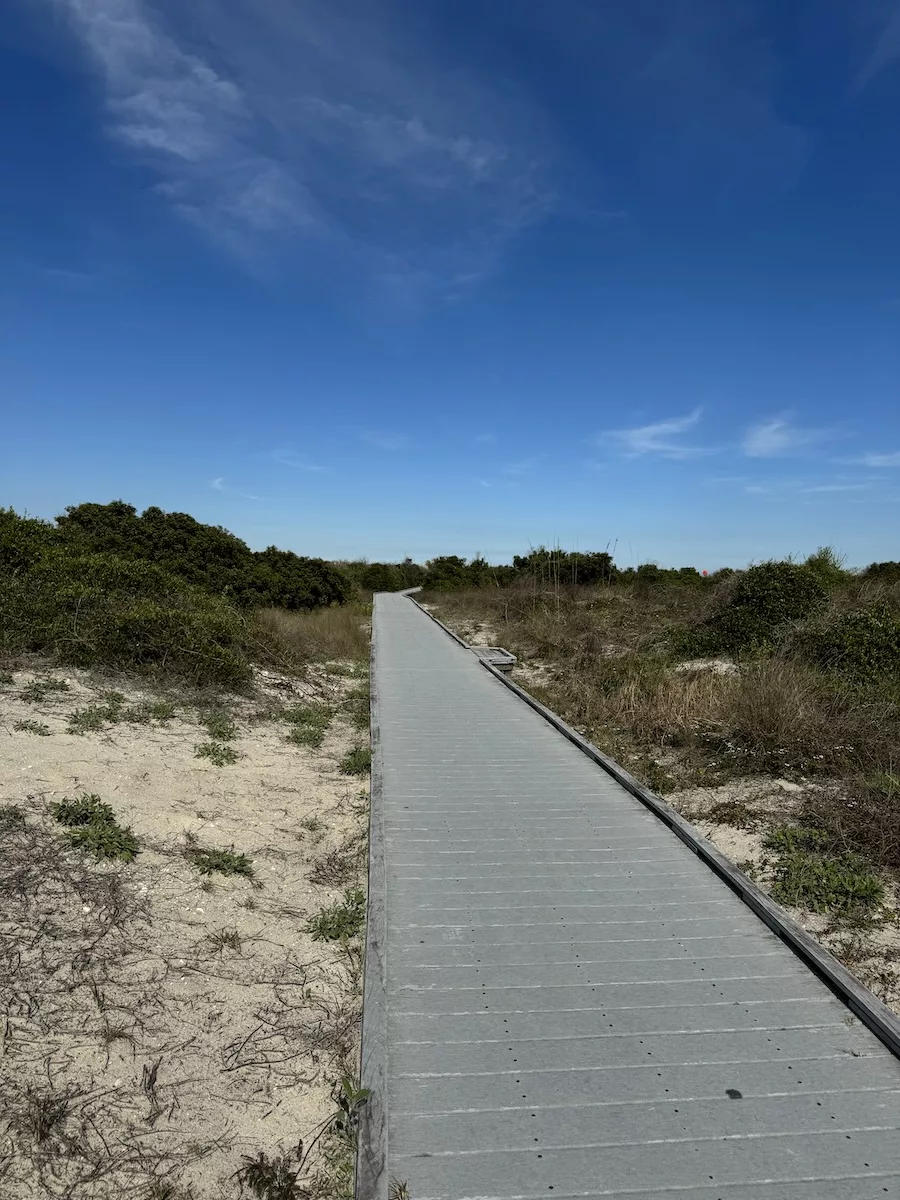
[610,673]
[329,635]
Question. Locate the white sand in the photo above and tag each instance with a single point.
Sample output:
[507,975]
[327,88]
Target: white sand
[220,1052]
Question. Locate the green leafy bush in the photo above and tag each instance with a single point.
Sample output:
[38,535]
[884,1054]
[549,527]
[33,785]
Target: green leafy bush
[205,556]
[755,606]
[98,609]
[863,643]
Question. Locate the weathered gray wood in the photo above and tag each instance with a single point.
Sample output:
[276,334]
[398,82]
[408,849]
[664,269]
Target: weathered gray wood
[567,999]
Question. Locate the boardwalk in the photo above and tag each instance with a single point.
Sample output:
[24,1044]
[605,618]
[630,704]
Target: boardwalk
[566,1001]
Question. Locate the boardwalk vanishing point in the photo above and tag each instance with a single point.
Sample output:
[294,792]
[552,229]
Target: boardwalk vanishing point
[563,998]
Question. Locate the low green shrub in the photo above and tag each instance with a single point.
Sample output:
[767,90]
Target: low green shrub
[98,610]
[862,643]
[754,608]
[92,826]
[309,724]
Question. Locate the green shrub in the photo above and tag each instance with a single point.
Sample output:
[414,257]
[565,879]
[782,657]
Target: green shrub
[98,610]
[828,568]
[23,541]
[220,726]
[887,572]
[205,556]
[862,643]
[309,724]
[756,606]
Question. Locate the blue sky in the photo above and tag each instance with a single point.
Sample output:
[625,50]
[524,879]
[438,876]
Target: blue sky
[458,276]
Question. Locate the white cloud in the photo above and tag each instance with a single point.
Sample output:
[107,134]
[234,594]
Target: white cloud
[777,436]
[339,131]
[891,459]
[886,50]
[660,437]
[218,485]
[287,457]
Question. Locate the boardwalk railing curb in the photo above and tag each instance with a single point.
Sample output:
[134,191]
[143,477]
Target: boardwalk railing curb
[861,1002]
[371,1151]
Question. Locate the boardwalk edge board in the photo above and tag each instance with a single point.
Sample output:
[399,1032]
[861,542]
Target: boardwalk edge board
[371,1151]
[861,1002]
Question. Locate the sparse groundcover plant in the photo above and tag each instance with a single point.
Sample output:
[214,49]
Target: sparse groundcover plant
[92,827]
[357,761]
[309,724]
[7,678]
[12,817]
[146,711]
[35,727]
[271,1178]
[218,755]
[220,726]
[342,920]
[40,689]
[225,939]
[807,875]
[223,862]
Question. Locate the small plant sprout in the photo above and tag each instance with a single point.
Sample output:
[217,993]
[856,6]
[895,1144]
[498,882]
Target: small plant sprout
[342,920]
[218,755]
[224,862]
[357,761]
[35,727]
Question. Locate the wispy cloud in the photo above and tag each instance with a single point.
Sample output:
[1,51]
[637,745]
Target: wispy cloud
[786,488]
[778,436]
[385,440]
[287,457]
[524,466]
[892,459]
[485,439]
[320,125]
[886,50]
[219,485]
[662,438]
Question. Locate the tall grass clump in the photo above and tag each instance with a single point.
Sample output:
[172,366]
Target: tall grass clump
[295,639]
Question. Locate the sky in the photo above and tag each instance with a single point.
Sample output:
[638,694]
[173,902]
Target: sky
[458,276]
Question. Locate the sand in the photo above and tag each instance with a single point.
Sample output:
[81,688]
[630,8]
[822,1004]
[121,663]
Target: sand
[161,1024]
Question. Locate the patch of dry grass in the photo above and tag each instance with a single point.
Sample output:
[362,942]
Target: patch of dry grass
[291,640]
